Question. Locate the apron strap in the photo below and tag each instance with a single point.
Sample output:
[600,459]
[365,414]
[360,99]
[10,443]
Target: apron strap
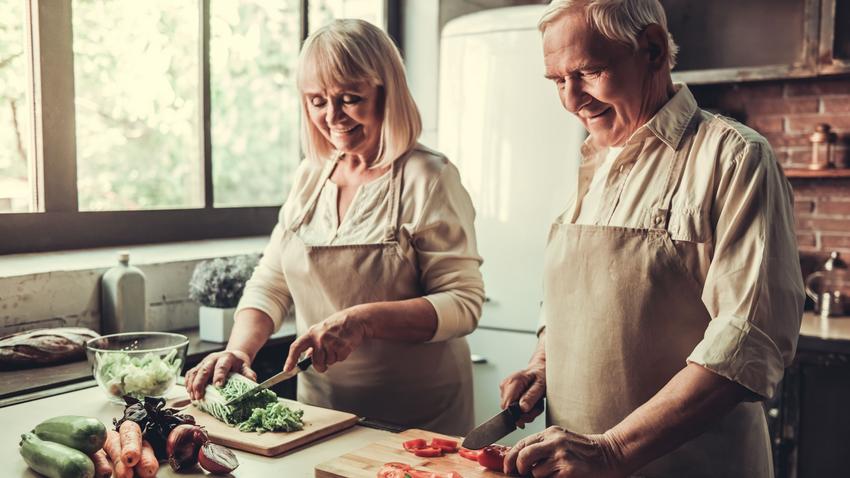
[310,205]
[660,217]
[395,197]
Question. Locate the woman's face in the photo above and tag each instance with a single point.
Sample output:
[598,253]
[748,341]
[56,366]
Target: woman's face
[348,115]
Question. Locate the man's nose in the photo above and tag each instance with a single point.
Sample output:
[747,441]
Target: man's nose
[573,95]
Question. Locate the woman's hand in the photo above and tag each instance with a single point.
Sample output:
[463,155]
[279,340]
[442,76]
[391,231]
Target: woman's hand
[527,387]
[331,340]
[217,365]
[558,452]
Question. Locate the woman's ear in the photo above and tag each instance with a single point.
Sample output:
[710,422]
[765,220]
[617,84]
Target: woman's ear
[654,41]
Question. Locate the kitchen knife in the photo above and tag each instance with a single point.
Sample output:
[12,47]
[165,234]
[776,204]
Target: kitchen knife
[497,427]
[273,380]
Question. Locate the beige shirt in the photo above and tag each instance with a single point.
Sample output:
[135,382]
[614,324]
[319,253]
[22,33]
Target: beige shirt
[592,200]
[436,233]
[732,223]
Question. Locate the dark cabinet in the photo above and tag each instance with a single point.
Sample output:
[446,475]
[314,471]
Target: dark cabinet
[730,40]
[809,418]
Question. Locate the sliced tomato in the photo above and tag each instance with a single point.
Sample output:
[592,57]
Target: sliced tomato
[411,445]
[493,457]
[448,446]
[469,454]
[441,442]
[428,452]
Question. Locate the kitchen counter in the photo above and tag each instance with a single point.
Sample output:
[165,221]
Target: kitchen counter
[92,402]
[833,328]
[22,385]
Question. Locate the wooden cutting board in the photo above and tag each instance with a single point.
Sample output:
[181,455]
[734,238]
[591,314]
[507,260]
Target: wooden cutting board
[318,423]
[365,462]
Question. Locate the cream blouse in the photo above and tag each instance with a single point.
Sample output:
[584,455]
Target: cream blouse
[436,232]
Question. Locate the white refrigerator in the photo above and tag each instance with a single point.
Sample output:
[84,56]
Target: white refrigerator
[517,149]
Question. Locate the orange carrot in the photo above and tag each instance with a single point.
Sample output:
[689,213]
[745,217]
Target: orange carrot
[131,442]
[112,447]
[102,465]
[148,465]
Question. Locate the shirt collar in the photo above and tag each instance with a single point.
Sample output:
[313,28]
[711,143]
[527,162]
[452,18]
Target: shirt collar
[669,124]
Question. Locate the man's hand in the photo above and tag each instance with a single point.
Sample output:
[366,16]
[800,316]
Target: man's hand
[558,452]
[331,340]
[527,387]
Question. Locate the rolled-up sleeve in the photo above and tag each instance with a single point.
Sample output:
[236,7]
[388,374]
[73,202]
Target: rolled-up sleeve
[447,254]
[753,288]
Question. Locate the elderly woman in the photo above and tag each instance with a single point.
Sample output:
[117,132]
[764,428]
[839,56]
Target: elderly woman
[375,250]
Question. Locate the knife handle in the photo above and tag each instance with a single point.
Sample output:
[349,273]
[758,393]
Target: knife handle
[516,411]
[304,364]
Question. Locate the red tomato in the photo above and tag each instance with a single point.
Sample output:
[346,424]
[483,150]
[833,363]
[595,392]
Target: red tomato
[448,446]
[416,444]
[442,442]
[428,452]
[493,457]
[469,454]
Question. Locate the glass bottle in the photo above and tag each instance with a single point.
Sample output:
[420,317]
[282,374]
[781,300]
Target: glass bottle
[122,298]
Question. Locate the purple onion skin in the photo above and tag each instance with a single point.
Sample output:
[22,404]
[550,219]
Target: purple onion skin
[184,443]
[217,459]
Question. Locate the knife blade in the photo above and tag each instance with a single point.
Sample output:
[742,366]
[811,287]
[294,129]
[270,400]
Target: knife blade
[497,427]
[273,380]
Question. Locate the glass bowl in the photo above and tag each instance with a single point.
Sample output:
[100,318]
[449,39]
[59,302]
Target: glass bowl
[138,364]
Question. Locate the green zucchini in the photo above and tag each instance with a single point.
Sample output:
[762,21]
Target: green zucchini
[81,433]
[55,460]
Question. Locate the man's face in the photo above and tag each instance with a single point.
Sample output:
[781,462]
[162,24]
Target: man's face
[599,80]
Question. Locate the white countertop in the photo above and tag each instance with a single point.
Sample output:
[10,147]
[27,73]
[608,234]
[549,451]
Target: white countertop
[18,419]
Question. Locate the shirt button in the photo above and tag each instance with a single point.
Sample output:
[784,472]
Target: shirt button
[658,220]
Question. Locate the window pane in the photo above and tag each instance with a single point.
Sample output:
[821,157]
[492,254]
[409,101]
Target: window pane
[323,11]
[136,74]
[253,54]
[15,110]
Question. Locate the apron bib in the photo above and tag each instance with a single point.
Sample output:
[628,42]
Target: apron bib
[423,385]
[622,316]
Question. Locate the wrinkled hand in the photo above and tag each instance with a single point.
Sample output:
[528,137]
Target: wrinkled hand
[331,340]
[217,365]
[563,454]
[527,386]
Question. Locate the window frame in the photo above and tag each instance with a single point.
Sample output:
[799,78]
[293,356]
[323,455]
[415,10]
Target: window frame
[60,225]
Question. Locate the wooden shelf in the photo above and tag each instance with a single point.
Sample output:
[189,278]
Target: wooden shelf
[815,173]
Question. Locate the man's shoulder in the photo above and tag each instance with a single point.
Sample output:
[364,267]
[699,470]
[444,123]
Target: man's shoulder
[730,137]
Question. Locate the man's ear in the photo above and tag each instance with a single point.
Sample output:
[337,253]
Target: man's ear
[653,42]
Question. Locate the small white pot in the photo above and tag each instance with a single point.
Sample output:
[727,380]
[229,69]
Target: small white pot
[215,324]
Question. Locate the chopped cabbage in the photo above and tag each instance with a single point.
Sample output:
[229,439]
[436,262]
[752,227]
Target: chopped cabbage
[147,376]
[276,417]
[261,412]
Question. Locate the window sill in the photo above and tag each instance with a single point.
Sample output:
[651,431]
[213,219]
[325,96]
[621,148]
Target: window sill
[77,260]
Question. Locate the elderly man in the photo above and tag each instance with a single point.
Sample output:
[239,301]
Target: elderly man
[672,288]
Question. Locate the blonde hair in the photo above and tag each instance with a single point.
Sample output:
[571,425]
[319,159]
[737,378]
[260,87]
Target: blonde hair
[618,20]
[349,51]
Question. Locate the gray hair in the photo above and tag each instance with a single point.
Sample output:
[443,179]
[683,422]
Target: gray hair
[617,20]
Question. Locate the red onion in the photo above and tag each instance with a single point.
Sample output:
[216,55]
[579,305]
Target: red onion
[183,445]
[217,459]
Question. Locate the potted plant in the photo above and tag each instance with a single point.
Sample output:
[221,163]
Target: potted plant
[217,285]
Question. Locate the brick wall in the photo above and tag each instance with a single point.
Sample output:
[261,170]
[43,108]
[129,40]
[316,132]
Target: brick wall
[786,113]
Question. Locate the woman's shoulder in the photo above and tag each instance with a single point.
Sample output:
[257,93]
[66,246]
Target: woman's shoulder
[305,180]
[424,167]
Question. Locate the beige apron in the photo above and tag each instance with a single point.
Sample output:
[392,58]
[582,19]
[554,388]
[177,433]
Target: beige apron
[622,316]
[424,385]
